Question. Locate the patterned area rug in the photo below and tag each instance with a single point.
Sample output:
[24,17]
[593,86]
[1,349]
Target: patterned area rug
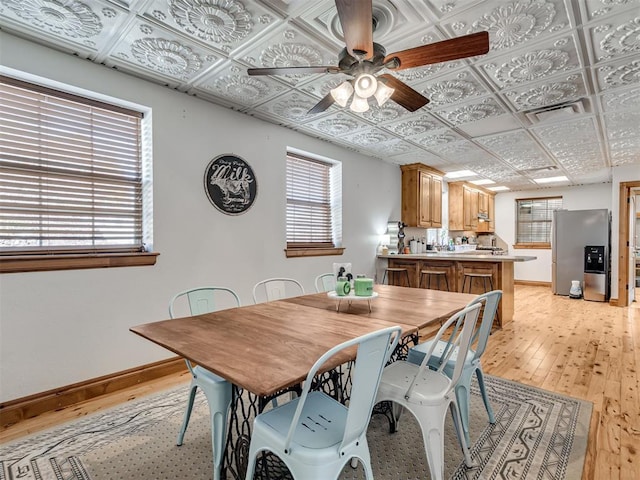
[537,435]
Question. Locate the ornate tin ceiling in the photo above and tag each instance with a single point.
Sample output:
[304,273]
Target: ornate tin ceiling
[558,93]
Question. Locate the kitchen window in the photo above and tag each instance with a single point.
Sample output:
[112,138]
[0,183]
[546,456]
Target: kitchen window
[533,221]
[314,206]
[75,181]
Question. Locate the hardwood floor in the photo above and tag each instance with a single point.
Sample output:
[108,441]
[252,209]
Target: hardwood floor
[588,350]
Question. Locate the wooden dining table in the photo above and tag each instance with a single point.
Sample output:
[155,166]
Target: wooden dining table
[266,349]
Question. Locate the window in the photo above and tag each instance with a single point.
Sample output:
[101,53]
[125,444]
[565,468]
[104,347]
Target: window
[533,221]
[72,188]
[314,206]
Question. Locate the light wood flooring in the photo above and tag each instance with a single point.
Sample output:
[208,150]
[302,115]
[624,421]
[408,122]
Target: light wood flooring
[584,349]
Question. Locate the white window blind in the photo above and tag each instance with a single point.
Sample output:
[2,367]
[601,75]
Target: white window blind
[70,172]
[534,218]
[309,205]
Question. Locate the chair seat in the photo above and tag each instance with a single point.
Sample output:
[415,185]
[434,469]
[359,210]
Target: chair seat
[322,428]
[417,353]
[428,390]
[206,375]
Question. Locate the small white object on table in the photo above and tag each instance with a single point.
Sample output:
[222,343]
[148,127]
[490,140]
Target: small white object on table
[351,297]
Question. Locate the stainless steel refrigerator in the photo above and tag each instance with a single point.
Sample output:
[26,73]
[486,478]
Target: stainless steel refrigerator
[572,231]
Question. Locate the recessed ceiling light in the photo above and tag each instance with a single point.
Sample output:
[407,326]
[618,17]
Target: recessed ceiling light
[551,179]
[460,174]
[498,189]
[484,181]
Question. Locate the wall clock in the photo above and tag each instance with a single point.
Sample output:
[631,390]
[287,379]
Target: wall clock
[230,184]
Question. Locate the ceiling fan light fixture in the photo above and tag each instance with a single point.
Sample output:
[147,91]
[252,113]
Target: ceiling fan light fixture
[366,85]
[359,104]
[383,93]
[342,93]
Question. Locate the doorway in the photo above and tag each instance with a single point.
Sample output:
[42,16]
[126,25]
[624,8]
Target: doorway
[627,245]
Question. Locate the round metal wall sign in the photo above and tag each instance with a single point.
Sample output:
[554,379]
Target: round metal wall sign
[230,184]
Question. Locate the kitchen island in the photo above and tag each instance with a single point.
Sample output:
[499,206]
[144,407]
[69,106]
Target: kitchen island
[456,265]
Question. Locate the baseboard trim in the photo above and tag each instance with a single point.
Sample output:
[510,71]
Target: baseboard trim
[14,411]
[613,302]
[532,283]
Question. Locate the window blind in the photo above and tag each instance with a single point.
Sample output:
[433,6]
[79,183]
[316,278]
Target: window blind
[535,218]
[70,172]
[308,203]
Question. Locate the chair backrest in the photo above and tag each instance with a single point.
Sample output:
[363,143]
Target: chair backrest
[325,282]
[204,300]
[275,289]
[374,349]
[490,301]
[463,324]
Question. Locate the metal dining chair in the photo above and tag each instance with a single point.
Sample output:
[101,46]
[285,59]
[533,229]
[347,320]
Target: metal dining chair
[471,361]
[315,435]
[428,394]
[276,288]
[325,282]
[216,389]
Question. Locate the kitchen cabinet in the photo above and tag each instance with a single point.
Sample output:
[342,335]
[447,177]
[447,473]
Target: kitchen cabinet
[421,196]
[466,204]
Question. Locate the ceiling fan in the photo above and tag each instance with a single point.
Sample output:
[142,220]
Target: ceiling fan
[362,59]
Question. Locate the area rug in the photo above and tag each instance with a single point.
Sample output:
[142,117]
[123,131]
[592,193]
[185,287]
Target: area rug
[537,435]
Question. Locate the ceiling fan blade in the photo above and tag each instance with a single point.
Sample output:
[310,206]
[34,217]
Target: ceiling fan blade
[292,70]
[453,49]
[356,18]
[404,95]
[322,105]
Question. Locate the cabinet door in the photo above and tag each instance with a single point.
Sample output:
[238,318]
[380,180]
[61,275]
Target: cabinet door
[492,213]
[483,203]
[468,207]
[424,201]
[436,202]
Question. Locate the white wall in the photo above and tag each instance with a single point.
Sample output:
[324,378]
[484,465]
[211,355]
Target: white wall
[62,327]
[573,198]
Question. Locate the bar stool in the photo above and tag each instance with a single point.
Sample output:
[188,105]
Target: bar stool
[484,277]
[438,274]
[395,271]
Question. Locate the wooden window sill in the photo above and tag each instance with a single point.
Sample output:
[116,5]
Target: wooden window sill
[313,252]
[538,246]
[73,261]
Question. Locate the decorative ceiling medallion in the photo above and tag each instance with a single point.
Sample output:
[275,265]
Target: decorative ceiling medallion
[414,127]
[393,148]
[241,88]
[625,39]
[386,113]
[450,91]
[370,138]
[68,18]
[472,113]
[623,75]
[532,66]
[439,139]
[516,22]
[293,108]
[219,21]
[548,94]
[166,56]
[230,184]
[290,55]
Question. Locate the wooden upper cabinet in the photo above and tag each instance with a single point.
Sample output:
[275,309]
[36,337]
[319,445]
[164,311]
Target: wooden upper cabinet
[421,196]
[466,202]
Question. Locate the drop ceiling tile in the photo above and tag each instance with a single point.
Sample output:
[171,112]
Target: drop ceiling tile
[624,72]
[479,109]
[419,156]
[290,108]
[615,36]
[552,91]
[568,134]
[369,138]
[337,124]
[83,28]
[452,88]
[232,84]
[438,138]
[549,58]
[596,9]
[517,149]
[419,123]
[628,99]
[223,25]
[390,111]
[511,24]
[147,47]
[622,124]
[320,85]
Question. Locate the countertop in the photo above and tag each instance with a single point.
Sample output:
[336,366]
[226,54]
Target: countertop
[471,256]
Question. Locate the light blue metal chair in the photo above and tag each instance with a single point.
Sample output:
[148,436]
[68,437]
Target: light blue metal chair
[325,282]
[275,289]
[471,364]
[428,394]
[216,389]
[316,436]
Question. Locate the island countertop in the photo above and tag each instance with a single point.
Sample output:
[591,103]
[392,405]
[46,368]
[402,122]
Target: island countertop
[470,256]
